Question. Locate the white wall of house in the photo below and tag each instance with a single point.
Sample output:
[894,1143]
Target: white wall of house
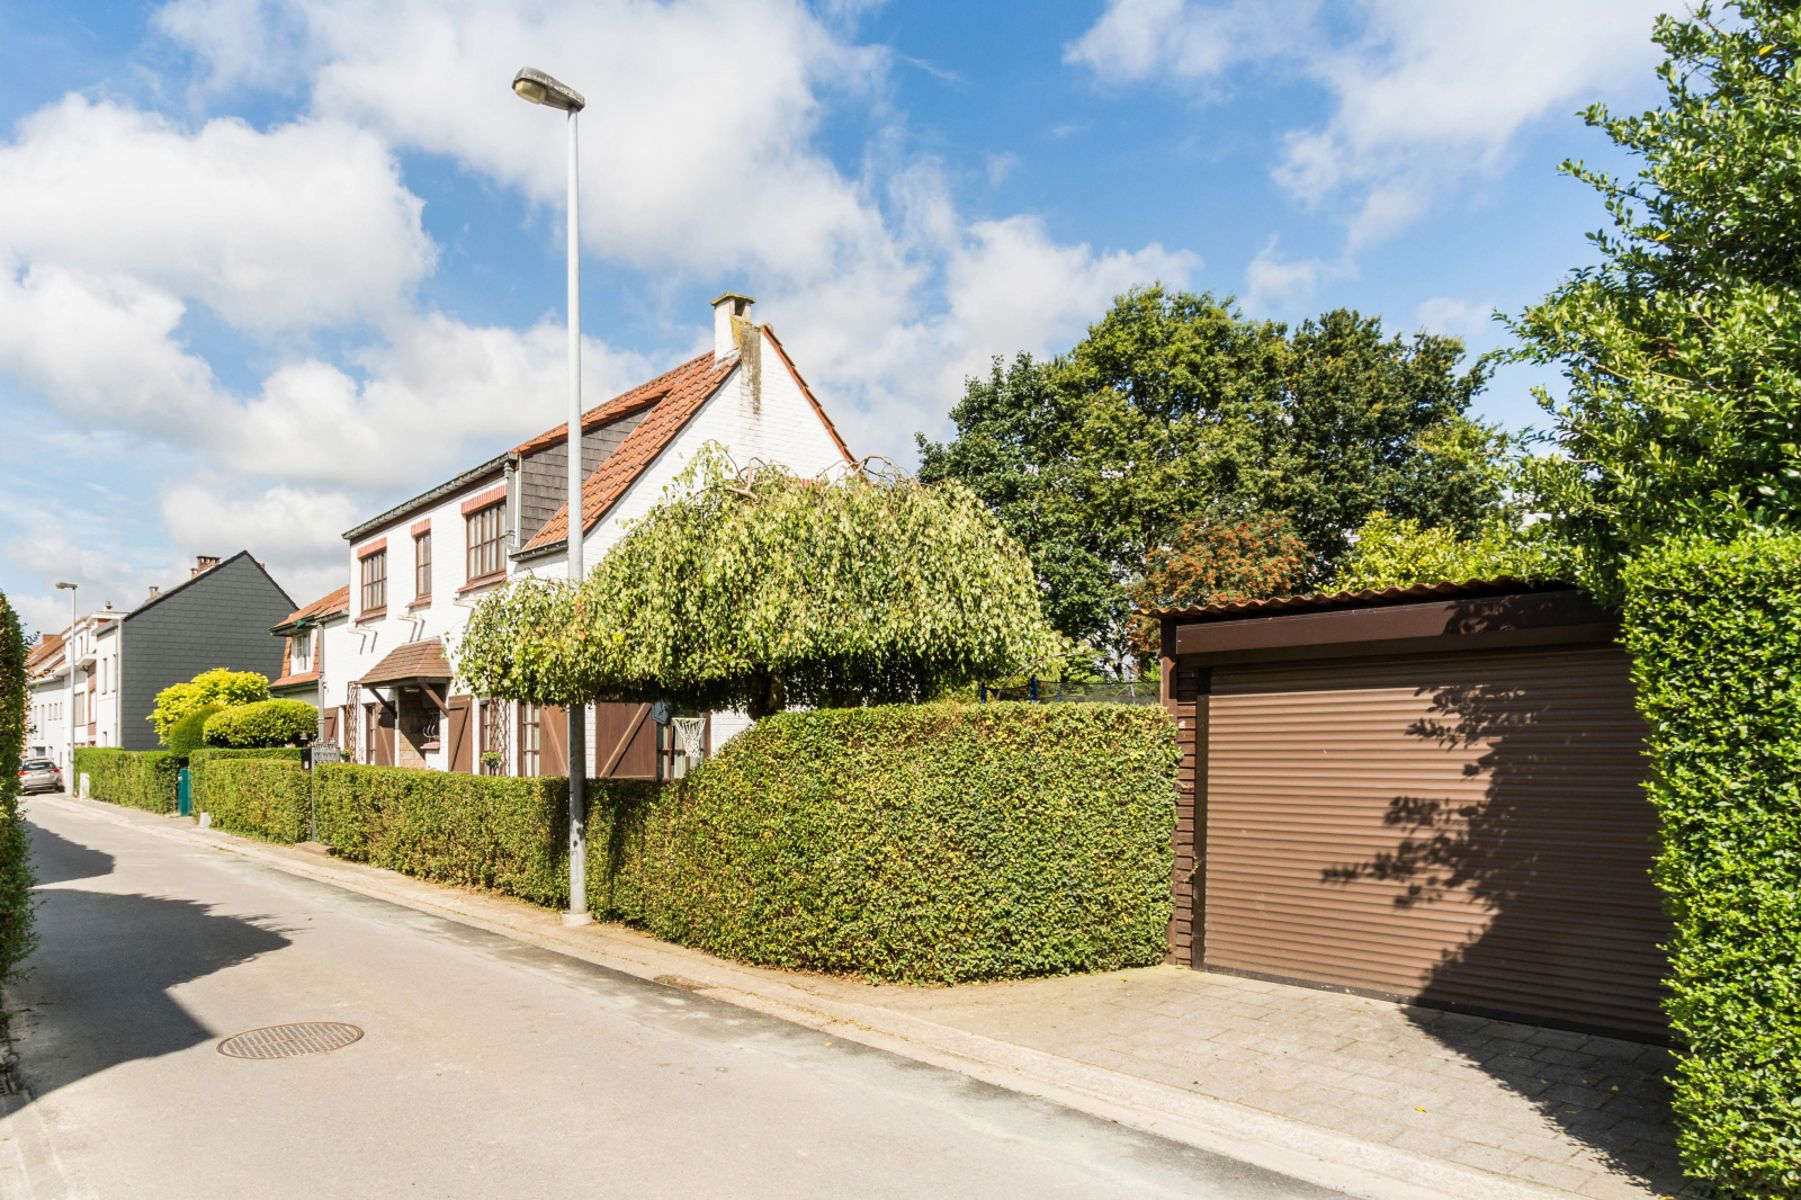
[777,425]
[106,692]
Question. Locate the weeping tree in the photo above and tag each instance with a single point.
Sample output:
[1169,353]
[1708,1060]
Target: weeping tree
[758,589]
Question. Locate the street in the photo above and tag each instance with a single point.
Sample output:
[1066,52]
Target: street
[487,1067]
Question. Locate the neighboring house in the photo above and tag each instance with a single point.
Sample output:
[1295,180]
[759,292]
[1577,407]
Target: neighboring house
[302,635]
[89,649]
[386,688]
[217,617]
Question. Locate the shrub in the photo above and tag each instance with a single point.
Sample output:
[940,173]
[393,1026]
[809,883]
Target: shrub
[935,843]
[186,734]
[133,778]
[16,938]
[219,686]
[264,723]
[254,793]
[1713,631]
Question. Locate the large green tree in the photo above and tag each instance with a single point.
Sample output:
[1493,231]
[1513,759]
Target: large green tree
[757,589]
[1175,408]
[1681,346]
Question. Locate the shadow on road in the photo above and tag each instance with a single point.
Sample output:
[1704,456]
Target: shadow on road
[97,991]
[55,859]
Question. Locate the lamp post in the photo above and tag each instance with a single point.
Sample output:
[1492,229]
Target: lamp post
[69,660]
[539,88]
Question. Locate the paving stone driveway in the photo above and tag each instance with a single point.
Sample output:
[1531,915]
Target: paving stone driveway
[1587,1114]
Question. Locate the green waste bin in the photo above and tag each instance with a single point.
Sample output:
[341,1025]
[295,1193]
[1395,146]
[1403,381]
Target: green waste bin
[184,794]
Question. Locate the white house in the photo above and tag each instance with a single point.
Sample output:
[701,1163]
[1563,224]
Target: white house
[90,648]
[376,661]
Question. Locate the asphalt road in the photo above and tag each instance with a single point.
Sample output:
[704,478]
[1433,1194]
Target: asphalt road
[488,1068]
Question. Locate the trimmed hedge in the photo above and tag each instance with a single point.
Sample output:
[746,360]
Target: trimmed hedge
[482,831]
[133,778]
[263,793]
[264,723]
[931,843]
[188,734]
[16,938]
[1715,630]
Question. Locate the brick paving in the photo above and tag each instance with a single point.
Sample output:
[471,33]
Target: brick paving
[1586,1114]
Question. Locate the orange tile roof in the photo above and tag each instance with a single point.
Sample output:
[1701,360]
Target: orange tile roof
[642,396]
[409,661]
[328,605]
[675,398]
[47,645]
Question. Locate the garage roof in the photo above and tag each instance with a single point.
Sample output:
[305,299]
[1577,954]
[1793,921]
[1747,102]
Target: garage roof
[1365,598]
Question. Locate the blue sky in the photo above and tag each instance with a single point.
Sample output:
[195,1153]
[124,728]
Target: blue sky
[271,265]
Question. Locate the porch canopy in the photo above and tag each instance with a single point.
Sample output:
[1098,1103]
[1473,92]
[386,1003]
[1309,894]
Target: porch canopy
[420,663]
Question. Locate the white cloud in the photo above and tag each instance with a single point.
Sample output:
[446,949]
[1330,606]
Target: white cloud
[1425,94]
[1195,43]
[1278,286]
[306,224]
[1471,320]
[297,533]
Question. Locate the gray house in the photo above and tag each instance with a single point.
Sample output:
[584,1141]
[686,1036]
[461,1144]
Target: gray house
[218,617]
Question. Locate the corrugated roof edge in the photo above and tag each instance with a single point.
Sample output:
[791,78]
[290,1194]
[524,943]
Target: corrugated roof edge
[1365,598]
[443,489]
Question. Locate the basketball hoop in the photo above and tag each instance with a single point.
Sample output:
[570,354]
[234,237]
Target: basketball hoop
[690,733]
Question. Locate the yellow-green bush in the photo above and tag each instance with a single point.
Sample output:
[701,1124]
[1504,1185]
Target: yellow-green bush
[133,778]
[1715,633]
[922,843]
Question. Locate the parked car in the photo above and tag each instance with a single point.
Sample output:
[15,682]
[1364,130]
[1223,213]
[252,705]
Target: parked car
[40,775]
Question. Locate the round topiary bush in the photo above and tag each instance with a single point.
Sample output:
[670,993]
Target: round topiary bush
[265,723]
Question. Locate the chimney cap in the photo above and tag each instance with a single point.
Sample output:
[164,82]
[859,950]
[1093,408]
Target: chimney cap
[740,301]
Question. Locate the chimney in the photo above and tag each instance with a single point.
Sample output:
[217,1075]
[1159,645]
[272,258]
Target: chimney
[203,562]
[154,593]
[729,309]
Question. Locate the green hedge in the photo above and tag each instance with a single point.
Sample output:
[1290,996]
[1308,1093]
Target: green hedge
[265,794]
[134,778]
[189,734]
[264,723]
[472,830]
[16,938]
[217,753]
[1715,630]
[920,843]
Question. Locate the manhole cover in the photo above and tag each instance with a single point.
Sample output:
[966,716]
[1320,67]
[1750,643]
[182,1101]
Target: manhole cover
[290,1041]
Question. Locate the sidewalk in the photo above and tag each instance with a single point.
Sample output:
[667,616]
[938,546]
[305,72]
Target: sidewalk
[1376,1099]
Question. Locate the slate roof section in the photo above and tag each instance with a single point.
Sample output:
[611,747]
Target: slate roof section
[413,660]
[162,597]
[686,389]
[1366,598]
[333,604]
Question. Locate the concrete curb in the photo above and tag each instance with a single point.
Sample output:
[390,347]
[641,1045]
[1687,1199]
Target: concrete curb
[1306,1152]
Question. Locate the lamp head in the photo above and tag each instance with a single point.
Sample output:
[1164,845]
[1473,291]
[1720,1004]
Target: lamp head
[534,85]
[65,587]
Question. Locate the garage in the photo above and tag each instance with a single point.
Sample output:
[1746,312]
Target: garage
[1428,794]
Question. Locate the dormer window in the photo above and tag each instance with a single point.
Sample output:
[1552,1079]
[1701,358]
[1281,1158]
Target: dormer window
[300,653]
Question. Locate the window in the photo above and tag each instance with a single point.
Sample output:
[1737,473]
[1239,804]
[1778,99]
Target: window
[530,716]
[486,528]
[494,737]
[422,565]
[300,652]
[375,581]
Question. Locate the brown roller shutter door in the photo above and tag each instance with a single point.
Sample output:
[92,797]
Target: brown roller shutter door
[1464,829]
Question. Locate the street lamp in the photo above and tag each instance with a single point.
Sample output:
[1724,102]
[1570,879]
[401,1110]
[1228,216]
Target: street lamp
[69,661]
[539,88]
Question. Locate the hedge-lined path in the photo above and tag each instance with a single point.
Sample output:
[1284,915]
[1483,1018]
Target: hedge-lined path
[490,1067]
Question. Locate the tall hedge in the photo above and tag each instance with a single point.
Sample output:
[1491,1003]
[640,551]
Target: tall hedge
[1715,631]
[932,843]
[132,778]
[15,859]
[265,794]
